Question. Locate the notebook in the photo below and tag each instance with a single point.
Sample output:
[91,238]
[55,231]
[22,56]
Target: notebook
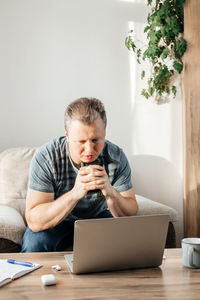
[9,272]
[118,243]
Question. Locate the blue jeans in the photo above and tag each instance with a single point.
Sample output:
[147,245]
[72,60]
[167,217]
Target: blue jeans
[53,239]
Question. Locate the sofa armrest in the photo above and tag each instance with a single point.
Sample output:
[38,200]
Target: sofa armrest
[150,207]
[12,226]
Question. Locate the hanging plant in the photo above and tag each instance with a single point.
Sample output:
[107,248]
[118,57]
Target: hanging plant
[165,48]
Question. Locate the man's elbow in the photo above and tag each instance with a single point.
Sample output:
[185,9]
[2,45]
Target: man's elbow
[134,208]
[34,227]
[32,224]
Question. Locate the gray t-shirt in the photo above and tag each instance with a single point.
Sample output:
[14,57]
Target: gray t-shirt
[52,171]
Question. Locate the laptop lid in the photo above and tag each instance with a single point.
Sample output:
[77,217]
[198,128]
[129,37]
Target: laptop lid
[119,243]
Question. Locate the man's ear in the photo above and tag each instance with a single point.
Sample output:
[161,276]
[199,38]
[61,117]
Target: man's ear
[66,134]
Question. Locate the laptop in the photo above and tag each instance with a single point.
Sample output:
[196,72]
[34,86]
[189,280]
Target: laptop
[109,244]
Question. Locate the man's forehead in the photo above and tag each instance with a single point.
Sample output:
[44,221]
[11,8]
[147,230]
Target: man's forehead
[80,125]
[81,131]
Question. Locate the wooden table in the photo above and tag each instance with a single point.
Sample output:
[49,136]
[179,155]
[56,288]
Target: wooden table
[170,281]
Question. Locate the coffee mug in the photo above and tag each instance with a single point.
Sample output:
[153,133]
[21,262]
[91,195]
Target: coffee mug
[191,252]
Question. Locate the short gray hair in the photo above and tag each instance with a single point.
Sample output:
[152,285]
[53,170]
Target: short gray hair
[86,110]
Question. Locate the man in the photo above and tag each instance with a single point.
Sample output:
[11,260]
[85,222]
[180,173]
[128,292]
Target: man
[78,176]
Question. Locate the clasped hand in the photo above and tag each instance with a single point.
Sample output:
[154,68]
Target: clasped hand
[90,178]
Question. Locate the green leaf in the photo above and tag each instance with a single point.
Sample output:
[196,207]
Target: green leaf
[178,67]
[181,46]
[145,94]
[151,90]
[167,89]
[152,37]
[165,53]
[174,90]
[146,28]
[149,2]
[139,52]
[129,43]
[142,74]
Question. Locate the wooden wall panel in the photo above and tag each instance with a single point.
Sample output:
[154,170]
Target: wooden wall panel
[191,119]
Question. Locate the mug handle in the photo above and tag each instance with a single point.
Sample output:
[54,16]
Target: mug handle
[191,252]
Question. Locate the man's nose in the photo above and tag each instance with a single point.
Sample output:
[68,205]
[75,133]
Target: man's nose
[89,147]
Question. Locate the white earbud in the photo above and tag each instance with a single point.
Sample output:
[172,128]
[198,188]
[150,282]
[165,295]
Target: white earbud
[57,267]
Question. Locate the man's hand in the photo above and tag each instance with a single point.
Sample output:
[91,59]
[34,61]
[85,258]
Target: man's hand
[94,177]
[89,178]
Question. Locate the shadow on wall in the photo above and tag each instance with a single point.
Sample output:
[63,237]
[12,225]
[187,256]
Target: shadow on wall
[157,179]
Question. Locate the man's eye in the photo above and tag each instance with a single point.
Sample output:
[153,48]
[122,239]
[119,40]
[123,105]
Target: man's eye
[95,141]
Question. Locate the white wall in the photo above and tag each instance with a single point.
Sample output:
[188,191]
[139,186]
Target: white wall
[54,51]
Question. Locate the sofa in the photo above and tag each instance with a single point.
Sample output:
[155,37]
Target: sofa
[14,170]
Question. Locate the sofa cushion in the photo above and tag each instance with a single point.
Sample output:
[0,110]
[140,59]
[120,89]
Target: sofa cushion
[150,207]
[14,169]
[12,225]
[7,246]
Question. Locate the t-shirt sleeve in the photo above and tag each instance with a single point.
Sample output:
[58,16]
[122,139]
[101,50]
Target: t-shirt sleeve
[123,181]
[41,173]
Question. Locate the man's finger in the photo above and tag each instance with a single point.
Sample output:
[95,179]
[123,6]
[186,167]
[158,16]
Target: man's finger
[91,169]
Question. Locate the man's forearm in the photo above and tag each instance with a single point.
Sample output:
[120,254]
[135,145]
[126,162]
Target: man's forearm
[49,214]
[121,206]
